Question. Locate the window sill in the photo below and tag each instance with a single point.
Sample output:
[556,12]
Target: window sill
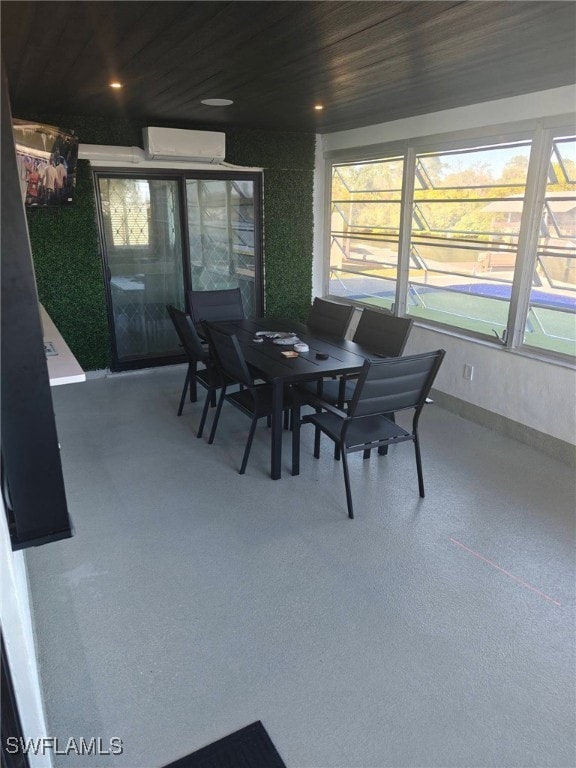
[531,353]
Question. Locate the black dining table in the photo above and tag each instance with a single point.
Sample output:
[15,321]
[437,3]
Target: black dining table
[343,357]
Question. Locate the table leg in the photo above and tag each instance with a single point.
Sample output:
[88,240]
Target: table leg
[276,437]
[295,436]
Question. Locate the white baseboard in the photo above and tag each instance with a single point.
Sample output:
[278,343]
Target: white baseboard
[553,446]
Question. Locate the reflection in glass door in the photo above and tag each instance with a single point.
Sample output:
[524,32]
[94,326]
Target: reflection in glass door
[141,229]
[221,232]
[164,233]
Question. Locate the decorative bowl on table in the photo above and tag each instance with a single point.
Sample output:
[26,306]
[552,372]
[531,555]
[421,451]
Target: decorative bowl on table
[286,340]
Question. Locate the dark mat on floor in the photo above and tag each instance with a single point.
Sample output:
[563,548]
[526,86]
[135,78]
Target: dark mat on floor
[250,747]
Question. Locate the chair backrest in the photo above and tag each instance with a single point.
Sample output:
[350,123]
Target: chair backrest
[228,355]
[328,318]
[187,334]
[210,306]
[395,384]
[383,334]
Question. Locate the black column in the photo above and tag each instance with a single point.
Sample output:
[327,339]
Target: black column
[32,482]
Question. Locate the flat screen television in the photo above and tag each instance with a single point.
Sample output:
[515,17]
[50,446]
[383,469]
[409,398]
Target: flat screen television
[47,157]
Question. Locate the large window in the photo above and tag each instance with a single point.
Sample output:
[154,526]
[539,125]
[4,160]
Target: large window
[551,320]
[476,235]
[464,236]
[365,225]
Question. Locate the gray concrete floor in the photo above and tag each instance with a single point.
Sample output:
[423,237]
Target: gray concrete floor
[193,601]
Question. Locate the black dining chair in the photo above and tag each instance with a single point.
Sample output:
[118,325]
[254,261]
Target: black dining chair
[254,400]
[211,306]
[383,387]
[208,377]
[381,335]
[327,318]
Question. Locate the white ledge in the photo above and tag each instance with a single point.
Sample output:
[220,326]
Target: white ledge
[63,368]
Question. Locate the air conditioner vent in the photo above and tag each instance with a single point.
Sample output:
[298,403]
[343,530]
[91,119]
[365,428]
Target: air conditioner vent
[179,144]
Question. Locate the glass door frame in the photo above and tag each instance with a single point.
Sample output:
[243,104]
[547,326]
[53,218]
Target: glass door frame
[179,176]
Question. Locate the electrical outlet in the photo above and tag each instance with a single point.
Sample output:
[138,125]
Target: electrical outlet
[468,373]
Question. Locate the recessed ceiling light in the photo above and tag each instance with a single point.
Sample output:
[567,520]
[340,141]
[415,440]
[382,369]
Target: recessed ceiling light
[115,84]
[217,102]
[318,107]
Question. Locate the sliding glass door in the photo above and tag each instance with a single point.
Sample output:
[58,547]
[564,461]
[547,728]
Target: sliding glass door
[143,254]
[221,232]
[164,235]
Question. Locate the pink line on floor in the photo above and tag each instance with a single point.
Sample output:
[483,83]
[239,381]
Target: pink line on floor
[524,583]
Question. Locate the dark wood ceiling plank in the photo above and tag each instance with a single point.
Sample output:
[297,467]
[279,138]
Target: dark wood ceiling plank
[367,61]
[38,42]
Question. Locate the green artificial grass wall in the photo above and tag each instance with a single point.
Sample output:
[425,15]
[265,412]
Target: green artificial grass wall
[69,275]
[288,242]
[288,162]
[66,249]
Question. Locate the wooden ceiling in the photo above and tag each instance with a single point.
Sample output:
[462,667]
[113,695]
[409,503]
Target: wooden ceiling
[366,62]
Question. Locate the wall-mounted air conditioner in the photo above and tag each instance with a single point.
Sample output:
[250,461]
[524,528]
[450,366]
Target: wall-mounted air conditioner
[179,144]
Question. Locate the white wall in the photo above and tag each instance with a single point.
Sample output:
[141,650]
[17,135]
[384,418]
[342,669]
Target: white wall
[535,393]
[19,639]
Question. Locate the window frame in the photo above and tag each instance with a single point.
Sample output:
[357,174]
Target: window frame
[541,133]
